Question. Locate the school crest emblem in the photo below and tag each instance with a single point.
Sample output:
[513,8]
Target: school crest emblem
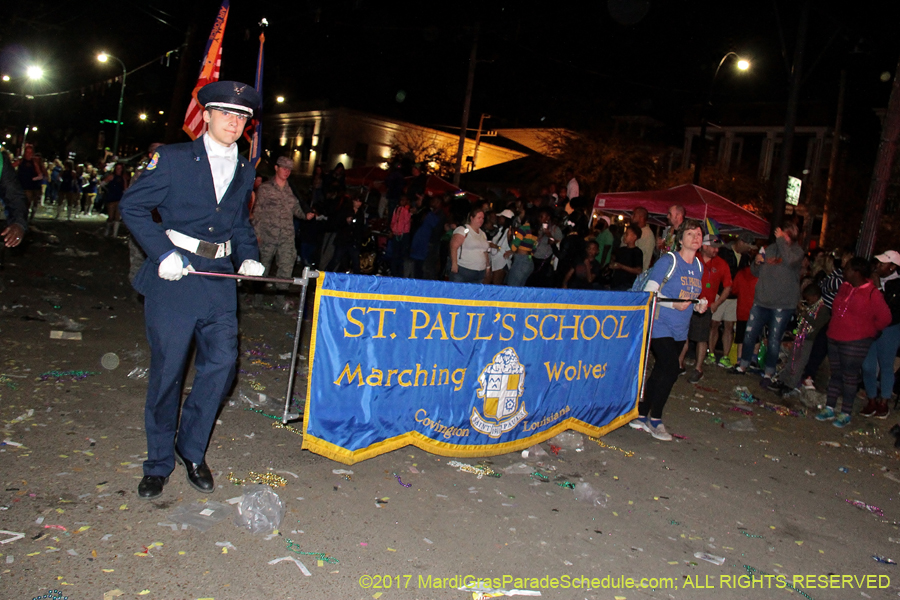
[501,385]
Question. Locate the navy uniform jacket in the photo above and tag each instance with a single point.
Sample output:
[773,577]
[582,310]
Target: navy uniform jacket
[179,184]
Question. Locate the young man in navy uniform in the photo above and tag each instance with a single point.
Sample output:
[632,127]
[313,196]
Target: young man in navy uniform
[201,190]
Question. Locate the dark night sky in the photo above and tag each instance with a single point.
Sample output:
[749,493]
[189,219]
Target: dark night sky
[547,64]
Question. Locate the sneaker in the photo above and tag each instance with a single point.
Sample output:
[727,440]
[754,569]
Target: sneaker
[690,362]
[776,386]
[695,377]
[882,411]
[681,371]
[736,370]
[826,414]
[725,362]
[640,424]
[791,392]
[870,409]
[809,384]
[765,381]
[710,359]
[842,420]
[659,432]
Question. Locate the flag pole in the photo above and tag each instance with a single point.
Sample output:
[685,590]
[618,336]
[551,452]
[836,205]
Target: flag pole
[256,139]
[209,73]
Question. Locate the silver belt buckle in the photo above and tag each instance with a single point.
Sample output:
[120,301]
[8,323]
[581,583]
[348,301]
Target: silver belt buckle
[207,249]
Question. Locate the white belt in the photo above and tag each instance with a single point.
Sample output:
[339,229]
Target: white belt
[199,247]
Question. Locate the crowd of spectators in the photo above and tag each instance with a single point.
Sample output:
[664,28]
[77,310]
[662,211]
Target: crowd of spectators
[403,229]
[59,186]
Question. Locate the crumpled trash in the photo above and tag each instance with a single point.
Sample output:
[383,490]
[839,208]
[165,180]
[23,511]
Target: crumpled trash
[570,440]
[260,509]
[585,492]
[254,399]
[870,450]
[534,452]
[741,392]
[741,425]
[65,323]
[518,469]
[712,558]
[138,373]
[200,515]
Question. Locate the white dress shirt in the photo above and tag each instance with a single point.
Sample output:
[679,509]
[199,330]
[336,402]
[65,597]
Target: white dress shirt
[222,163]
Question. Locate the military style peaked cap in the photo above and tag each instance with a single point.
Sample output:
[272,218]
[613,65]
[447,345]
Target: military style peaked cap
[229,95]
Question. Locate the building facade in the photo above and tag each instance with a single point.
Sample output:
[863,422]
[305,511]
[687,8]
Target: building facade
[358,139]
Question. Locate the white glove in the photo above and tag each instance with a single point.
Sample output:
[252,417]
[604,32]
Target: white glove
[251,267]
[174,267]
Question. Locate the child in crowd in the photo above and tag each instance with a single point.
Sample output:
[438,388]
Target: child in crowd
[585,275]
[814,316]
[628,261]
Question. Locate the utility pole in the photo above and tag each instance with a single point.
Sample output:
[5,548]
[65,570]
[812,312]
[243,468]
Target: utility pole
[881,176]
[473,58]
[790,120]
[187,68]
[835,150]
[478,139]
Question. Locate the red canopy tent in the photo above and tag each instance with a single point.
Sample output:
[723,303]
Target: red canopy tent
[367,176]
[699,203]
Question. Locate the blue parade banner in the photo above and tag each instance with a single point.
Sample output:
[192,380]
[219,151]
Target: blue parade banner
[467,370]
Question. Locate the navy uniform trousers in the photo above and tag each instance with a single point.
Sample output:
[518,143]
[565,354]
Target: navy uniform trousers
[194,311]
[171,335]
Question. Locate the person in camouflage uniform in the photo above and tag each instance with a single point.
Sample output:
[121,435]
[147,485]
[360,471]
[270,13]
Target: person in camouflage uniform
[273,213]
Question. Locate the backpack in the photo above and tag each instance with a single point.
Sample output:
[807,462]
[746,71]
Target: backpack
[642,279]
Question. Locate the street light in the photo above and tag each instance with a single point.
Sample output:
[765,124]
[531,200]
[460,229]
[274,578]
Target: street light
[104,57]
[279,99]
[142,116]
[34,72]
[743,65]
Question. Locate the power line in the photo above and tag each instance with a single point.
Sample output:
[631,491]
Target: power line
[107,81]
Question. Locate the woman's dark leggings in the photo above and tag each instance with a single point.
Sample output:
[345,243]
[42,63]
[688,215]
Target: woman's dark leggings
[845,360]
[662,378]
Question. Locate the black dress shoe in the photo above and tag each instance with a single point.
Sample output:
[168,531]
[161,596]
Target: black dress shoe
[151,486]
[199,476]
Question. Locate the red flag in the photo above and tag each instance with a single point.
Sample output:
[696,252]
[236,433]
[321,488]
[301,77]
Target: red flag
[209,72]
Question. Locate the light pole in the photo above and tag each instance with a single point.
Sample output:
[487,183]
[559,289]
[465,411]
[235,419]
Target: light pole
[743,65]
[33,73]
[104,57]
